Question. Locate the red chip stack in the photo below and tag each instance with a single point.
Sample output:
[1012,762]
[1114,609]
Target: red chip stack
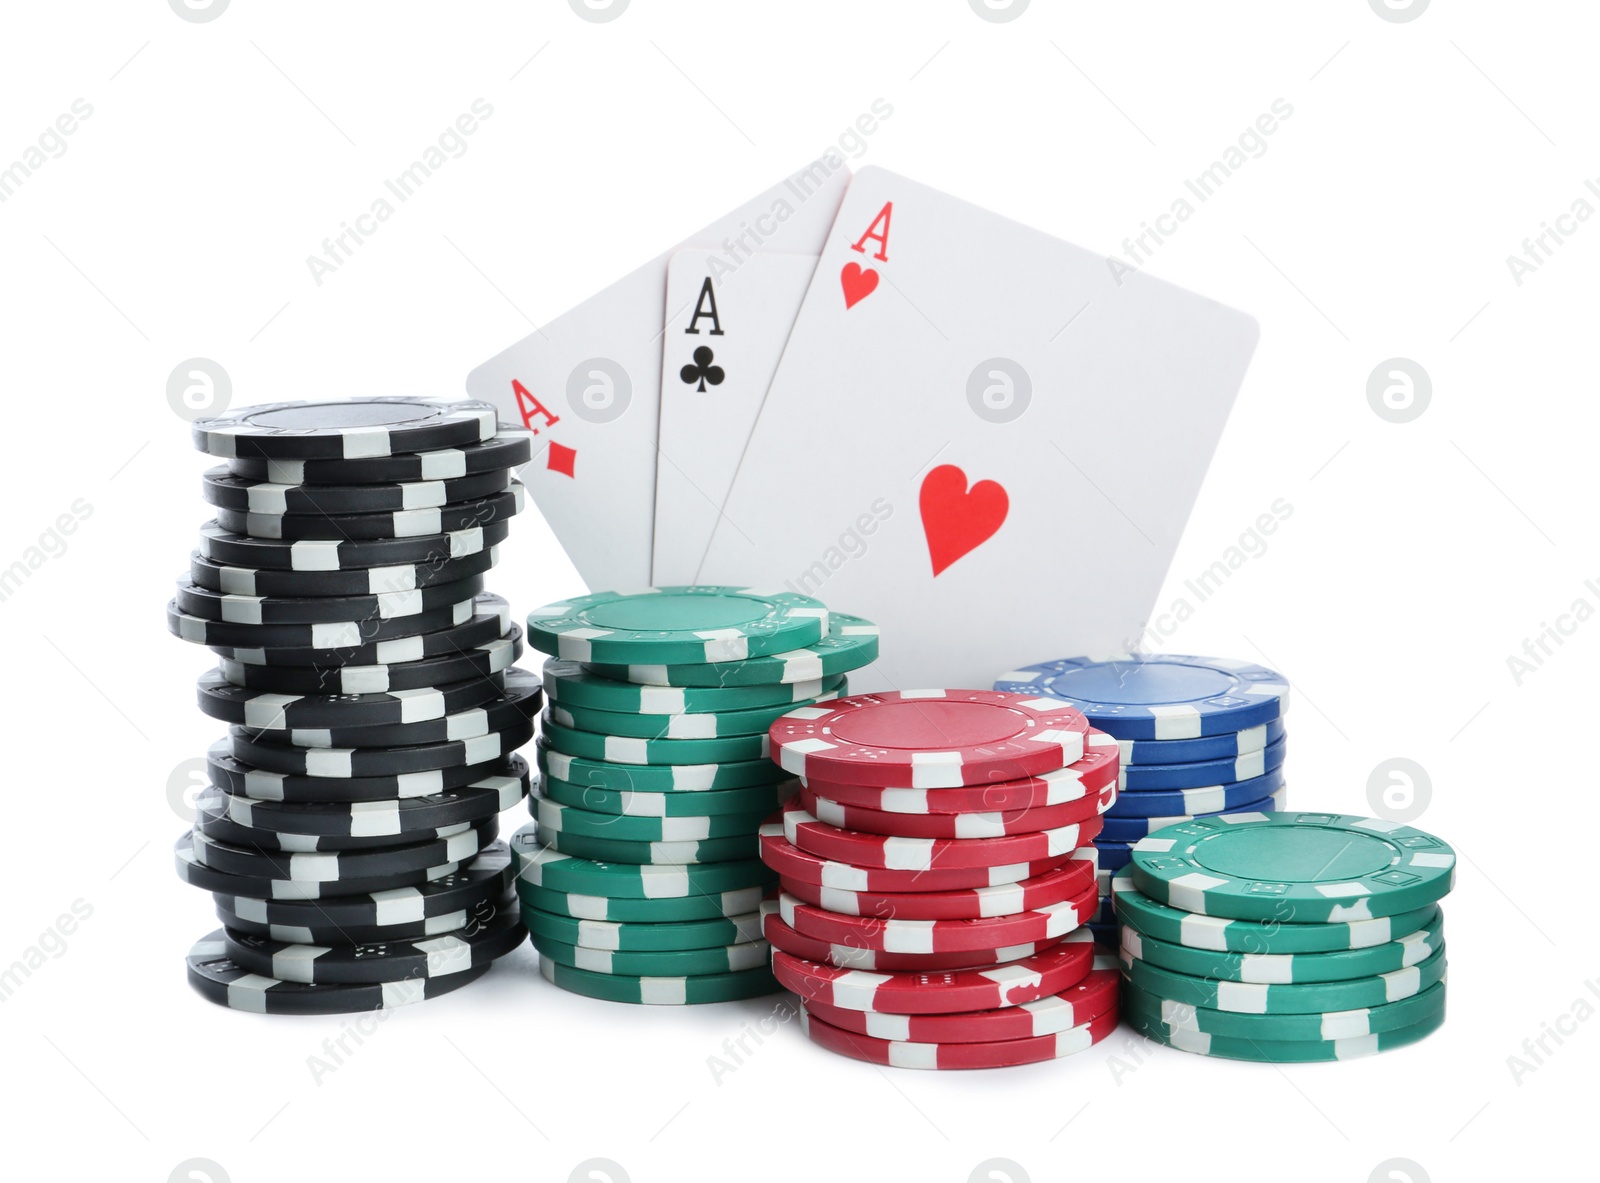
[935,874]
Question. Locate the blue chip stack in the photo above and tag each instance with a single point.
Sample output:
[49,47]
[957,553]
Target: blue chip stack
[1199,736]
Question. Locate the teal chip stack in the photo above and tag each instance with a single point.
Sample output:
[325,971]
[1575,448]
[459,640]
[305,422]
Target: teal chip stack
[1198,737]
[640,877]
[1285,938]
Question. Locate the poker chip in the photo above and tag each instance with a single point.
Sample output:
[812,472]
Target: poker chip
[850,644]
[657,854]
[847,956]
[219,979]
[666,963]
[544,867]
[479,663]
[1065,882]
[1293,867]
[618,936]
[1334,1025]
[1210,799]
[1132,829]
[618,749]
[928,738]
[574,686]
[661,991]
[1105,936]
[1026,980]
[1193,775]
[403,523]
[483,941]
[349,830]
[554,817]
[1224,746]
[1156,695]
[240,550]
[655,778]
[890,852]
[677,624]
[1287,968]
[663,910]
[1094,996]
[790,860]
[1221,935]
[346,429]
[709,803]
[1300,1051]
[1113,855]
[955,825]
[222,487]
[511,447]
[707,725]
[360,581]
[959,1055]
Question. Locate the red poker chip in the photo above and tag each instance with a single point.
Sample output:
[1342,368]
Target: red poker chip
[929,739]
[888,852]
[1004,899]
[1093,773]
[955,825]
[780,936]
[1012,984]
[940,936]
[1003,1054]
[1073,1007]
[788,859]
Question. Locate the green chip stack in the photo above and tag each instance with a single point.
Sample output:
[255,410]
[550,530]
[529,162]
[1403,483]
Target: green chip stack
[1284,938]
[640,877]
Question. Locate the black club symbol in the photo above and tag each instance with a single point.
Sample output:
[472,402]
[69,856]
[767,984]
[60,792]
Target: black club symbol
[702,371]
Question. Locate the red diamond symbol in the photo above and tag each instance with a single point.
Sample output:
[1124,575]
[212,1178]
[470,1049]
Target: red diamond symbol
[562,458]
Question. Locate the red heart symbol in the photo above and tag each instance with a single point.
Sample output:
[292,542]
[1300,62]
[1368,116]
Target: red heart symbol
[956,519]
[857,284]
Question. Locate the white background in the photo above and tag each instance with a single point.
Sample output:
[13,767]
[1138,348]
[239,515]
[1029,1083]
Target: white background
[1418,557]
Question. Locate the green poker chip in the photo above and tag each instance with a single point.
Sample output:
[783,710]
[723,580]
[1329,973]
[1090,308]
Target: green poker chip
[1283,1051]
[660,963]
[678,728]
[850,644]
[555,817]
[574,686]
[677,624]
[1294,868]
[1151,917]
[544,867]
[685,991]
[656,778]
[1334,1025]
[718,931]
[1261,999]
[621,749]
[712,803]
[1288,968]
[668,910]
[654,854]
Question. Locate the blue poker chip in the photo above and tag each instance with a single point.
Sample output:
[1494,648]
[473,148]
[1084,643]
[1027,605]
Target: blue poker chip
[1158,695]
[1132,829]
[1114,855]
[1107,936]
[1194,802]
[1193,775]
[1103,914]
[1207,747]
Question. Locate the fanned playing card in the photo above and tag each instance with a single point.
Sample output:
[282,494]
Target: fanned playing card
[588,384]
[726,328]
[984,438]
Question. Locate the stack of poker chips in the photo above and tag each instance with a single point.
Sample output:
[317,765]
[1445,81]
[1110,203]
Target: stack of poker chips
[639,877]
[349,831]
[1285,938]
[1198,737]
[935,874]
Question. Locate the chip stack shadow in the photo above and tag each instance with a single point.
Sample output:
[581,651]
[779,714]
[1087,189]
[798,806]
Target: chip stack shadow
[349,833]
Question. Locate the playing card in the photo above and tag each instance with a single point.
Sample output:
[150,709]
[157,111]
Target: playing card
[725,332]
[588,384]
[984,438]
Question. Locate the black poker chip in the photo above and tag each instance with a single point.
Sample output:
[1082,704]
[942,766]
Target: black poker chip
[345,429]
[196,873]
[211,820]
[342,634]
[337,867]
[359,581]
[491,616]
[401,524]
[510,448]
[245,780]
[264,711]
[240,550]
[231,608]
[366,762]
[481,661]
[223,488]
